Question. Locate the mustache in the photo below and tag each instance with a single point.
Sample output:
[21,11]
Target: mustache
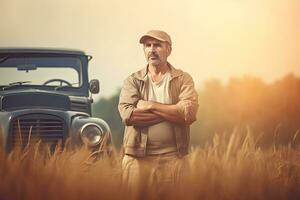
[153,54]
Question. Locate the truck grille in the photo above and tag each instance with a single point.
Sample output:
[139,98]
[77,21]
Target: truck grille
[29,129]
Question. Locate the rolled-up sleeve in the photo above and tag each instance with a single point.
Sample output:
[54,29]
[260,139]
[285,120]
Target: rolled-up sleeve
[188,99]
[129,97]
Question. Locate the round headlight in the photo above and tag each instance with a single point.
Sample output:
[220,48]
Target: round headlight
[91,134]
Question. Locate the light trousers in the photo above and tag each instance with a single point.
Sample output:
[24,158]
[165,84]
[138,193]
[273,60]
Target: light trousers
[153,176]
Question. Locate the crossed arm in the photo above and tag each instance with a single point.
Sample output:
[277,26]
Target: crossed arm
[149,113]
[142,118]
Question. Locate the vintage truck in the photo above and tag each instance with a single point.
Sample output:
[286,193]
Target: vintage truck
[45,96]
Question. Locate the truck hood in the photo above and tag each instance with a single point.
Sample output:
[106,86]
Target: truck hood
[33,98]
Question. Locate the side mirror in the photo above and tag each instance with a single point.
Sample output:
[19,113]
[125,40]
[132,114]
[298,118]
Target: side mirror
[94,86]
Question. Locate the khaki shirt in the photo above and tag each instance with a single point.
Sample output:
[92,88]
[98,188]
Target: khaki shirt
[182,91]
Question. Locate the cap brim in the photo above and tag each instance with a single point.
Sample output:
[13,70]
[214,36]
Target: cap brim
[150,36]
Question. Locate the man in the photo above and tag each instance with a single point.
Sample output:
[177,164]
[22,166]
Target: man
[157,105]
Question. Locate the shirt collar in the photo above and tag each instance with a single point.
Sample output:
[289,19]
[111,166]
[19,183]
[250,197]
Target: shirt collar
[142,74]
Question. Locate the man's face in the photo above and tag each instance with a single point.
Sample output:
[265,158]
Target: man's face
[156,51]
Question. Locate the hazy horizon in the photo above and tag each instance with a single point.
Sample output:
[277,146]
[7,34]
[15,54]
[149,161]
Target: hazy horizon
[216,39]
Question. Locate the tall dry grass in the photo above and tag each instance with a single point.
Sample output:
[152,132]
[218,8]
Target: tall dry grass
[228,169]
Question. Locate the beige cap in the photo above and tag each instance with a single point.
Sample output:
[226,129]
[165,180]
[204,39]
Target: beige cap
[157,34]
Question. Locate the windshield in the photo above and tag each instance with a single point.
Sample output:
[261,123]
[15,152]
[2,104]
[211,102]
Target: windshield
[41,71]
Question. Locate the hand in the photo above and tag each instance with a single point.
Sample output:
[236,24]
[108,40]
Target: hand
[184,107]
[144,105]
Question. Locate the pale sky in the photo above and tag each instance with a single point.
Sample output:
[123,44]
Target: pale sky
[211,38]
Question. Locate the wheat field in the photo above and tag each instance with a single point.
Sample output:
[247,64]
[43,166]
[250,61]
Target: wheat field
[232,168]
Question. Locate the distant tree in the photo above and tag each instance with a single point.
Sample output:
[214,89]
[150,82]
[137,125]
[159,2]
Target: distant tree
[267,109]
